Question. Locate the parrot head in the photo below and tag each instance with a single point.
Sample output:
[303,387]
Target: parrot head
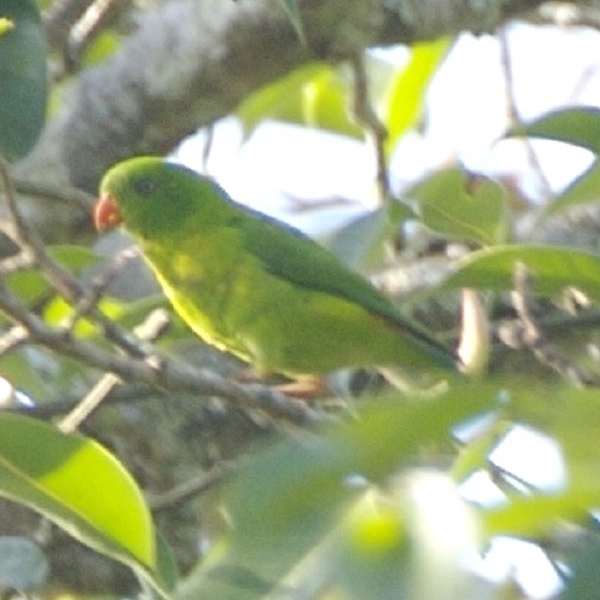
[153,197]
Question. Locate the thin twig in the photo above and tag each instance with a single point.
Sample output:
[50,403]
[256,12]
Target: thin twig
[167,375]
[15,337]
[207,147]
[89,25]
[24,237]
[152,327]
[17,262]
[72,25]
[60,18]
[532,336]
[59,407]
[149,331]
[67,195]
[513,110]
[89,300]
[190,489]
[89,403]
[374,128]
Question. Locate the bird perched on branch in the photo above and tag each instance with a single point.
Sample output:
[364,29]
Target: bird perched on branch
[253,286]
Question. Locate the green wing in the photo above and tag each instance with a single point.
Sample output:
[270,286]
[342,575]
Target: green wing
[289,254]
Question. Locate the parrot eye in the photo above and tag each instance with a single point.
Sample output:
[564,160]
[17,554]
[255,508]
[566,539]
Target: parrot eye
[144,187]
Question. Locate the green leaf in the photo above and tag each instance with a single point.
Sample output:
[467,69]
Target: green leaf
[128,314]
[293,13]
[583,190]
[554,269]
[78,485]
[570,416]
[459,206]
[361,243]
[22,78]
[286,503]
[403,104]
[74,257]
[5,25]
[30,284]
[581,553]
[536,516]
[579,126]
[166,565]
[102,47]
[410,543]
[315,95]
[374,555]
[25,374]
[373,446]
[474,454]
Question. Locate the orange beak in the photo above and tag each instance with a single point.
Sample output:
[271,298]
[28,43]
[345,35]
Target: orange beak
[106,213]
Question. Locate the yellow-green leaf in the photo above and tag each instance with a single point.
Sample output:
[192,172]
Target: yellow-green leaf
[403,102]
[78,485]
[315,95]
[5,25]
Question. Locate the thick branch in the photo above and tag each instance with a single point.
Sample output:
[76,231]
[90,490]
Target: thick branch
[191,62]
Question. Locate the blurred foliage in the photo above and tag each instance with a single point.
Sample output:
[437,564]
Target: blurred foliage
[321,95]
[293,12]
[403,100]
[372,506]
[5,25]
[101,48]
[22,78]
[315,95]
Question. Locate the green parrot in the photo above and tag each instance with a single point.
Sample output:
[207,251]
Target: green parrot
[253,286]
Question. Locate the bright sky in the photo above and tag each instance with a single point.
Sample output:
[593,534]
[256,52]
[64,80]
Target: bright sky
[466,117]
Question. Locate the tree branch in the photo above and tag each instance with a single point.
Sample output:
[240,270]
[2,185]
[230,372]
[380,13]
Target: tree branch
[189,63]
[167,375]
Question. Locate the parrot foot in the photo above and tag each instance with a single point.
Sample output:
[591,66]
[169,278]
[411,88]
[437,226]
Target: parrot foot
[305,388]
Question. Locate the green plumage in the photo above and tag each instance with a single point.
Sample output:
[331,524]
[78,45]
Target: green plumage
[251,285]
